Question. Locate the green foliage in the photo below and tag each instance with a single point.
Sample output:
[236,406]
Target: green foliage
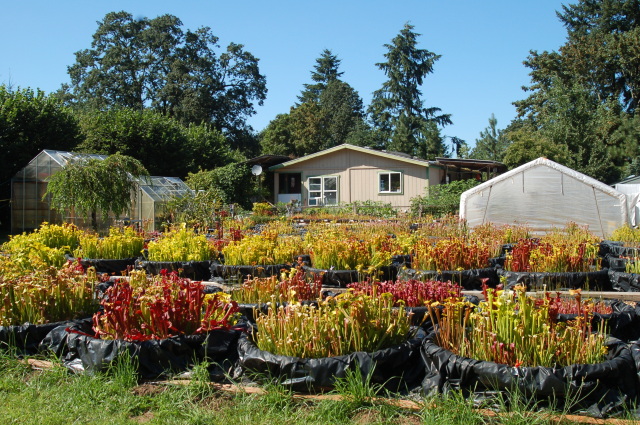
[196,209]
[325,71]
[232,183]
[151,138]
[181,244]
[442,199]
[30,121]
[143,63]
[120,244]
[583,98]
[88,185]
[329,112]
[492,144]
[397,109]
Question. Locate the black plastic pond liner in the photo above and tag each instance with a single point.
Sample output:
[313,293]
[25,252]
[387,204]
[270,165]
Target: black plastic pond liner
[622,323]
[154,358]
[26,339]
[111,267]
[194,270]
[239,273]
[398,369]
[400,261]
[624,282]
[470,280]
[341,278]
[594,281]
[599,390]
[617,249]
[616,264]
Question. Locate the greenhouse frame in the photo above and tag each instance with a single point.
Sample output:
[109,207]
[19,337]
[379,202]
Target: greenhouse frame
[30,207]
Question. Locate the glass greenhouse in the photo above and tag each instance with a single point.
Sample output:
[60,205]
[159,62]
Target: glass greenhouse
[29,209]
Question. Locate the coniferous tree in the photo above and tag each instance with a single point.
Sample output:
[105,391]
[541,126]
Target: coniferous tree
[325,71]
[397,109]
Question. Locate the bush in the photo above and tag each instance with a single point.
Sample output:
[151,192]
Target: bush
[441,199]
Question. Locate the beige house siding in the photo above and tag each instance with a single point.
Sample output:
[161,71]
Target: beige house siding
[358,176]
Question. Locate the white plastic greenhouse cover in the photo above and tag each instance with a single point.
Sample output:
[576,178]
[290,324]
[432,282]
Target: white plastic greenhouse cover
[542,195]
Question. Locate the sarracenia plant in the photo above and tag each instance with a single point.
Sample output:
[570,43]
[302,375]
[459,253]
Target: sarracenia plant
[514,329]
[341,248]
[290,286]
[181,244]
[412,292]
[48,295]
[451,254]
[120,244]
[167,306]
[339,325]
[536,255]
[65,236]
[269,247]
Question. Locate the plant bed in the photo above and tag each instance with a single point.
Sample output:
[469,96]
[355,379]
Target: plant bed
[515,345]
[194,270]
[35,303]
[154,358]
[594,281]
[397,368]
[599,389]
[237,274]
[110,266]
[336,335]
[341,278]
[470,280]
[164,322]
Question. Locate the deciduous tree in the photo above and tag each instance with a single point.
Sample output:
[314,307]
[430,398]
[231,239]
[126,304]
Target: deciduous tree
[89,185]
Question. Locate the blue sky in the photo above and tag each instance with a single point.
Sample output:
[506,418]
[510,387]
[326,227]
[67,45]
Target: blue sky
[482,44]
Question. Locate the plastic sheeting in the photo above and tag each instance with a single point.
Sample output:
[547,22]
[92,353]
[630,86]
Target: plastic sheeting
[398,368]
[80,351]
[600,390]
[543,194]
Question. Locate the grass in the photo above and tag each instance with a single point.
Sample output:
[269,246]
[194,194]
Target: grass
[55,396]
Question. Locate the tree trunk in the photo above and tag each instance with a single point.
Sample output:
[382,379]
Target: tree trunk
[94,221]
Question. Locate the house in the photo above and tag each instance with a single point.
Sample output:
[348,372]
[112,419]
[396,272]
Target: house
[543,195]
[29,208]
[346,174]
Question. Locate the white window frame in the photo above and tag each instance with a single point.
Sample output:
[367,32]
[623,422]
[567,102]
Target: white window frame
[319,189]
[400,190]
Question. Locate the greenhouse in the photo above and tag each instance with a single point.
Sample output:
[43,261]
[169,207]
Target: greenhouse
[29,208]
[543,195]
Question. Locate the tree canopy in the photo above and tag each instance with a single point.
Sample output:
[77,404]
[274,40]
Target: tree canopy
[89,185]
[162,144]
[397,108]
[328,115]
[583,98]
[492,145]
[30,121]
[142,63]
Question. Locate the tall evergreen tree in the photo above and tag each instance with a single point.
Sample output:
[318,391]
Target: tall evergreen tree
[397,108]
[492,145]
[325,71]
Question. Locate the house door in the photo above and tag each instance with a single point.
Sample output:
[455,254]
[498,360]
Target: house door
[289,187]
[323,190]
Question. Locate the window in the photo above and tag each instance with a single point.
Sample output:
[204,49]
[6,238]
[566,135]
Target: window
[390,182]
[323,190]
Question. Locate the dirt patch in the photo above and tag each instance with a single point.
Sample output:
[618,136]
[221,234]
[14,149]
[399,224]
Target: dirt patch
[148,389]
[365,417]
[144,418]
